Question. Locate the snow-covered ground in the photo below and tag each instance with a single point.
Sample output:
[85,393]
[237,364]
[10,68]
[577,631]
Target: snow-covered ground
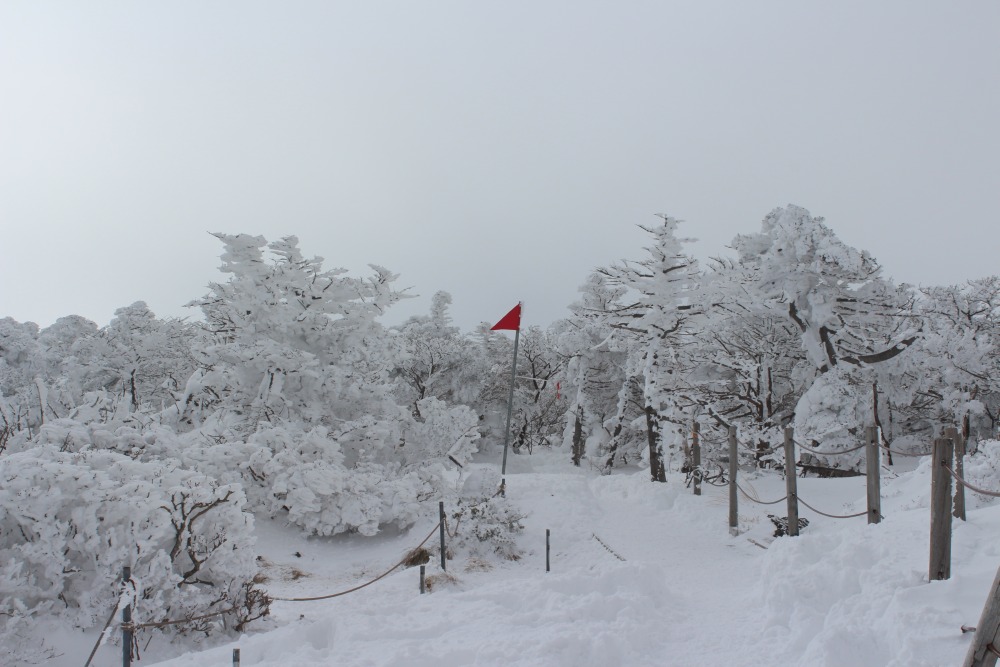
[642,574]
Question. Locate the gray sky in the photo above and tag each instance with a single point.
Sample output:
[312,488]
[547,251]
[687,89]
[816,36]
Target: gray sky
[499,151]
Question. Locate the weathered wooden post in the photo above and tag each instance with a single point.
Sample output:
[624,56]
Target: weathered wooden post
[873,474]
[126,620]
[940,561]
[236,657]
[982,652]
[441,521]
[423,571]
[959,441]
[790,483]
[547,549]
[696,457]
[734,515]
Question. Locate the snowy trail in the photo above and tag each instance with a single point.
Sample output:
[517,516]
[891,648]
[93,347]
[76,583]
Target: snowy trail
[707,577]
[687,594]
[682,593]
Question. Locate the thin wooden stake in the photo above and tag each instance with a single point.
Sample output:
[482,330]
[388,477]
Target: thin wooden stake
[873,471]
[547,549]
[734,515]
[441,520]
[126,621]
[940,560]
[790,483]
[236,657]
[696,457]
[423,570]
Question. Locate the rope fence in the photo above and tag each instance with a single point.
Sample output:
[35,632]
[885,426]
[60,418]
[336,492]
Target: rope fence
[942,460]
[180,621]
[799,498]
[873,491]
[819,453]
[760,502]
[992,494]
[385,574]
[947,459]
[832,516]
[128,627]
[901,453]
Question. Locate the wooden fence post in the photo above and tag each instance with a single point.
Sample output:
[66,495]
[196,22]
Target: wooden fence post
[696,457]
[441,520]
[984,643]
[734,515]
[959,442]
[423,571]
[236,657]
[126,621]
[790,483]
[873,473]
[940,561]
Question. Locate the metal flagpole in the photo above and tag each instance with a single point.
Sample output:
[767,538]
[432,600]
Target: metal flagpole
[510,405]
[511,320]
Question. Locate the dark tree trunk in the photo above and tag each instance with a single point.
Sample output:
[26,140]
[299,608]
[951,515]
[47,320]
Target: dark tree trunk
[657,470]
[578,443]
[878,421]
[613,447]
[134,391]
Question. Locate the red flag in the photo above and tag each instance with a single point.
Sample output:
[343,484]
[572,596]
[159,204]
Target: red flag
[509,322]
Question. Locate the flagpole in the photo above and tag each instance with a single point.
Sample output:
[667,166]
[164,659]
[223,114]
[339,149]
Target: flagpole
[511,320]
[510,405]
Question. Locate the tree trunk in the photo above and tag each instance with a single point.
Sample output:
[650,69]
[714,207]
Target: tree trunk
[613,447]
[578,444]
[657,470]
[134,391]
[878,422]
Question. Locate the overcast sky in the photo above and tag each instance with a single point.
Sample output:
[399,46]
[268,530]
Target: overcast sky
[496,150]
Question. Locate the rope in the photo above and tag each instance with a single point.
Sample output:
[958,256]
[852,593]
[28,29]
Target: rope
[961,481]
[818,453]
[163,624]
[899,453]
[612,551]
[369,583]
[760,502]
[101,637]
[832,516]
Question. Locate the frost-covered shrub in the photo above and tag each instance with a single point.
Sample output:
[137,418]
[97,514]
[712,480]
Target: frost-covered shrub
[828,418]
[485,526]
[70,521]
[149,442]
[300,475]
[345,480]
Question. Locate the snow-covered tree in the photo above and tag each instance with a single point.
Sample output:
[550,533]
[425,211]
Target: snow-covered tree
[655,318]
[292,340]
[956,380]
[593,370]
[850,319]
[297,394]
[439,361]
[150,358]
[69,521]
[23,399]
[749,369]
